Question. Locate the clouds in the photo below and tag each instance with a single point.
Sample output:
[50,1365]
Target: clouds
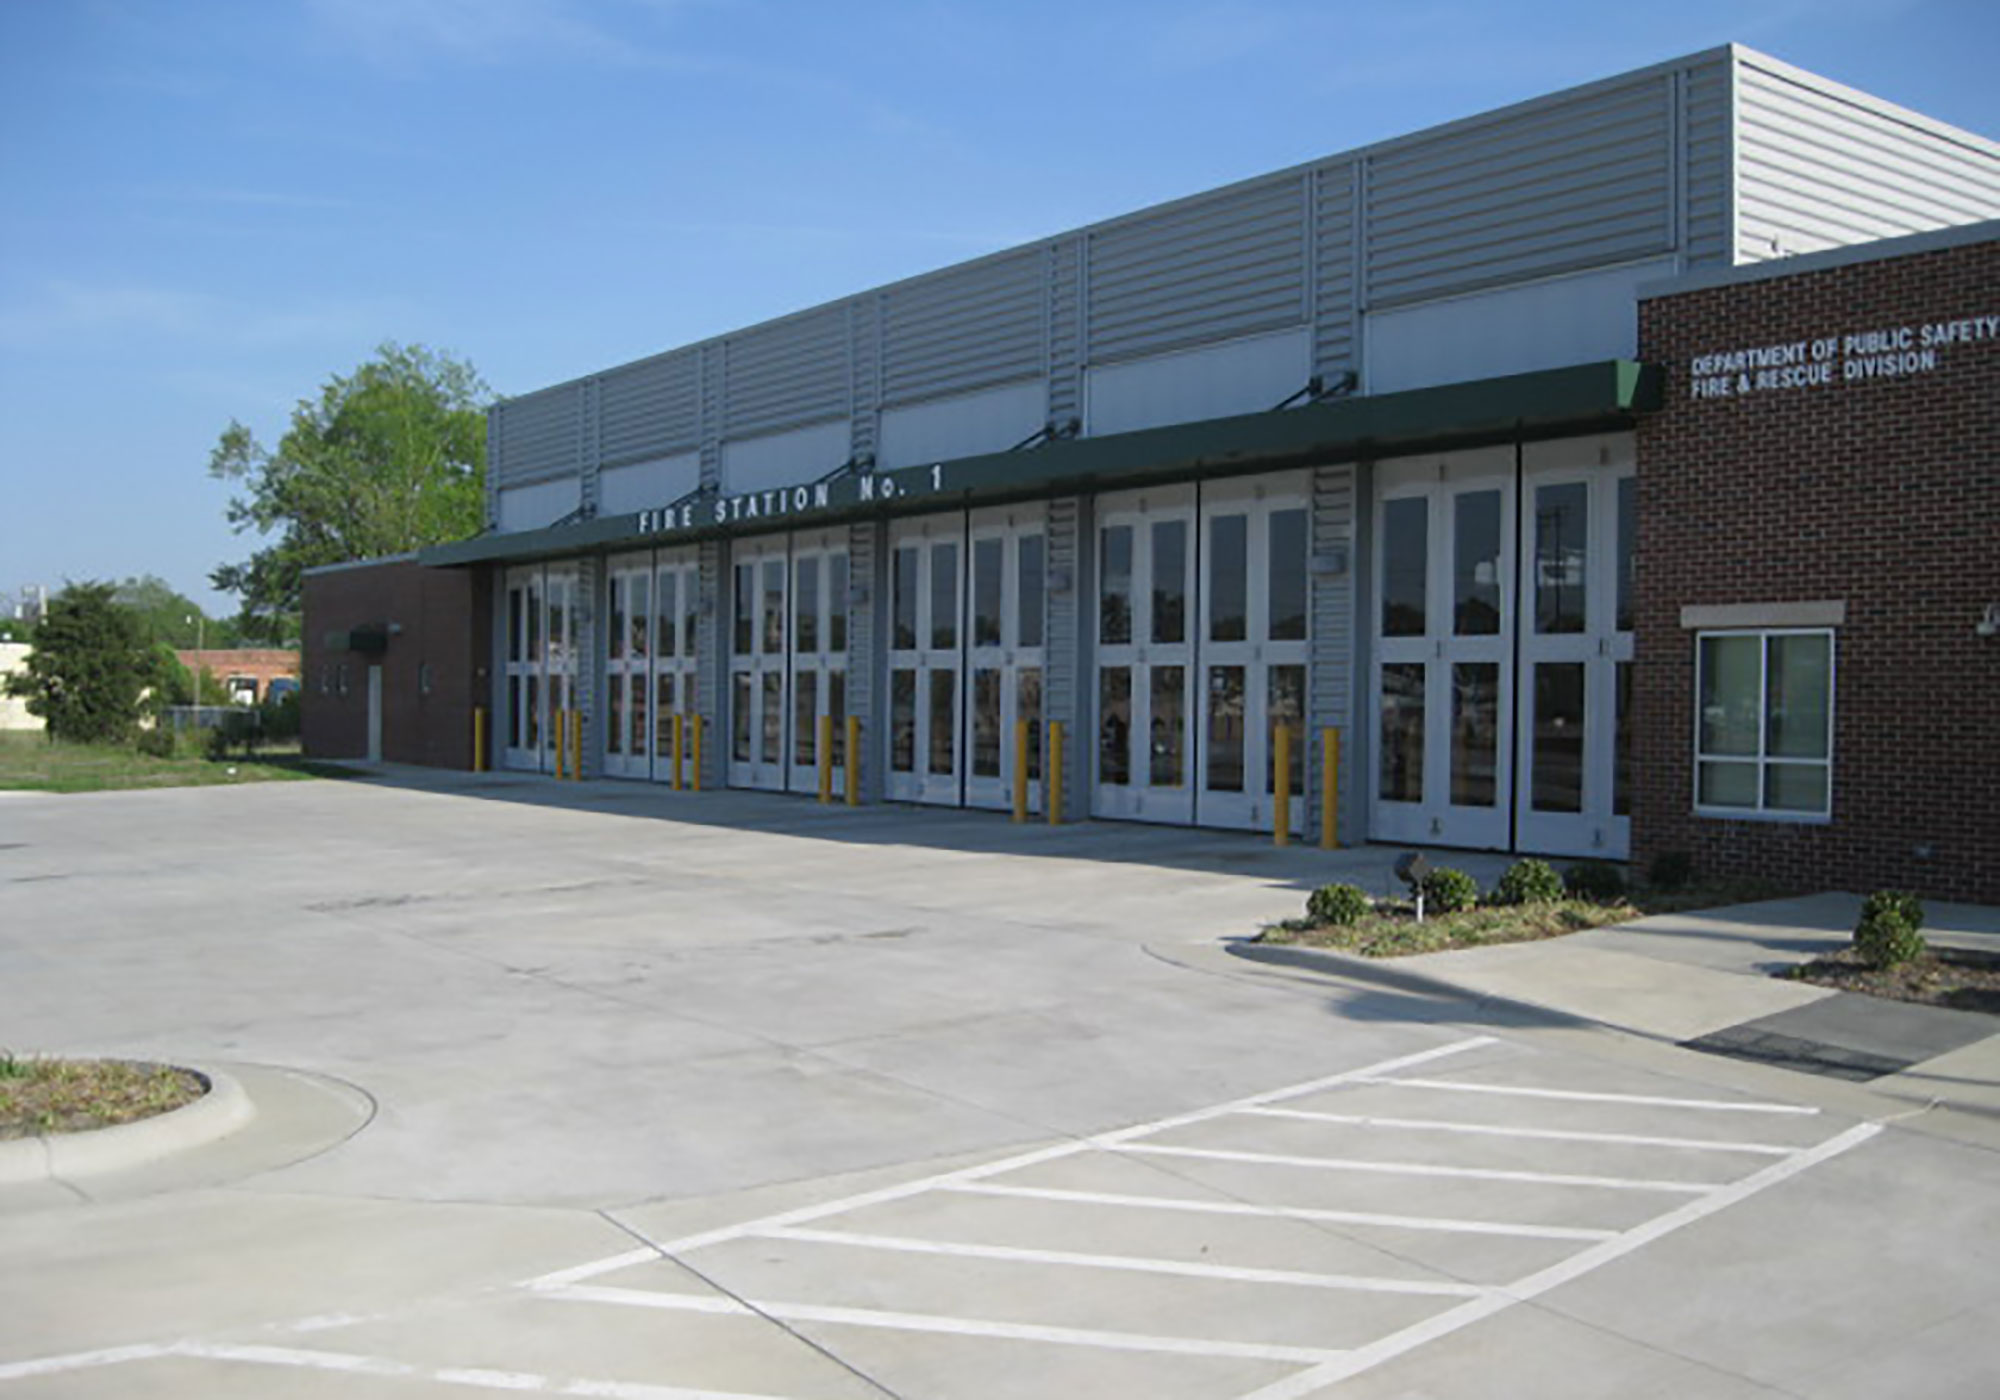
[406,35]
[67,315]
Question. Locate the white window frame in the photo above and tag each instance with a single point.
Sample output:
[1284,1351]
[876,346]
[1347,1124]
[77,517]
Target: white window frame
[1762,761]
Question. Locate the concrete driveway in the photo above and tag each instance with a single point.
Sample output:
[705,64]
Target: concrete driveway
[618,1092]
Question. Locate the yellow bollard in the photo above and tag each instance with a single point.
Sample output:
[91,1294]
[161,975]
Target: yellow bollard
[825,759]
[576,746]
[562,749]
[678,719]
[853,757]
[1329,789]
[695,720]
[1055,768]
[479,738]
[1281,800]
[1020,770]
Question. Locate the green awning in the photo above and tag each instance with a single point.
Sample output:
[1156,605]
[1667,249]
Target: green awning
[1541,404]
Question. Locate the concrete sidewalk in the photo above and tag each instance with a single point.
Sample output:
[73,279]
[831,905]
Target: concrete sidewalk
[1704,979]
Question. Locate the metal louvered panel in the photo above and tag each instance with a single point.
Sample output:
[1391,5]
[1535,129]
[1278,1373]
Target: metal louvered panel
[649,409]
[1333,236]
[1212,269]
[1065,329]
[1569,185]
[788,373]
[963,330]
[537,434]
[1706,154]
[1822,167]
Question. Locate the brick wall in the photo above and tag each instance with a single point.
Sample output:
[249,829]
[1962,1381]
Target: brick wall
[442,629]
[1882,493]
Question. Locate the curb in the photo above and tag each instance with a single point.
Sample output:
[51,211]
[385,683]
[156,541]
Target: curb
[59,1156]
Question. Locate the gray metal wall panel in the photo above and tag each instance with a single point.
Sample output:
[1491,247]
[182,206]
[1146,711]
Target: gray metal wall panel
[1065,329]
[539,435]
[1211,269]
[1063,658]
[1333,244]
[865,657]
[790,373]
[650,409]
[1332,649]
[1820,169]
[864,338]
[1707,145]
[964,330]
[1574,184]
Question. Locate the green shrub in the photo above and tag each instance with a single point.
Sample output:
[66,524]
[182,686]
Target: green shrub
[1337,904]
[1528,881]
[1448,891]
[1670,870]
[1596,881]
[1888,939]
[1899,901]
[157,742]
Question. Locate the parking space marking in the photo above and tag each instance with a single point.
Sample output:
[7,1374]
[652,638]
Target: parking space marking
[909,1245]
[348,1362]
[1364,1358]
[955,1326]
[1433,1125]
[1303,1213]
[1348,1164]
[562,1278]
[1584,1096]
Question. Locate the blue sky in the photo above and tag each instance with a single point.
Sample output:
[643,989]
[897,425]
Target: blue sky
[207,207]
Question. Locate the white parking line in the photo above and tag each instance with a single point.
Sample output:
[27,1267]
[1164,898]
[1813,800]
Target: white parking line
[905,1244]
[1373,1354]
[958,1326]
[1336,1217]
[1584,1096]
[565,1277]
[1432,1125]
[352,1364]
[1344,1164]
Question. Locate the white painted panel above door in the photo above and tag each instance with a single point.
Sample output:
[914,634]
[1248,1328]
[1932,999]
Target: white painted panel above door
[543,503]
[644,485]
[1544,325]
[1240,376]
[962,425]
[784,459]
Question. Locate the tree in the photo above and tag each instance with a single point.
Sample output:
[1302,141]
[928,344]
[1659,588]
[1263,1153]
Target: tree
[166,615]
[89,669]
[387,459]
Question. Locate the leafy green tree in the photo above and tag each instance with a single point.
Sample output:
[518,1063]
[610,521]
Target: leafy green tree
[387,459]
[169,616]
[89,669]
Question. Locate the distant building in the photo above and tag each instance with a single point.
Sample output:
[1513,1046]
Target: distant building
[1524,459]
[14,712]
[245,672]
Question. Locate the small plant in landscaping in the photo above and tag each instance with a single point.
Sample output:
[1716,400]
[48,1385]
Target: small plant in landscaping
[1900,901]
[1528,881]
[1887,934]
[1448,891]
[1595,880]
[1670,870]
[1337,904]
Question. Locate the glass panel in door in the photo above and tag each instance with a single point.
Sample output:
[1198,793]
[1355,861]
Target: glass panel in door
[1003,646]
[1145,656]
[928,615]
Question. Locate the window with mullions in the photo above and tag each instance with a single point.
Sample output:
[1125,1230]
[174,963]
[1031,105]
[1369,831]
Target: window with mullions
[1764,724]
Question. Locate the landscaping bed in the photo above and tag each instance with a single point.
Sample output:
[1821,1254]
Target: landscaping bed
[43,1096]
[1953,978]
[1533,901]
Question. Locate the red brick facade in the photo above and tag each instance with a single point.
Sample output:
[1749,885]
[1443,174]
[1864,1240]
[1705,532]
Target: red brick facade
[1879,492]
[435,626]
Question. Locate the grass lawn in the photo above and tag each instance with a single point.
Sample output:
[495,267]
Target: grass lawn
[1391,930]
[30,763]
[39,1096]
